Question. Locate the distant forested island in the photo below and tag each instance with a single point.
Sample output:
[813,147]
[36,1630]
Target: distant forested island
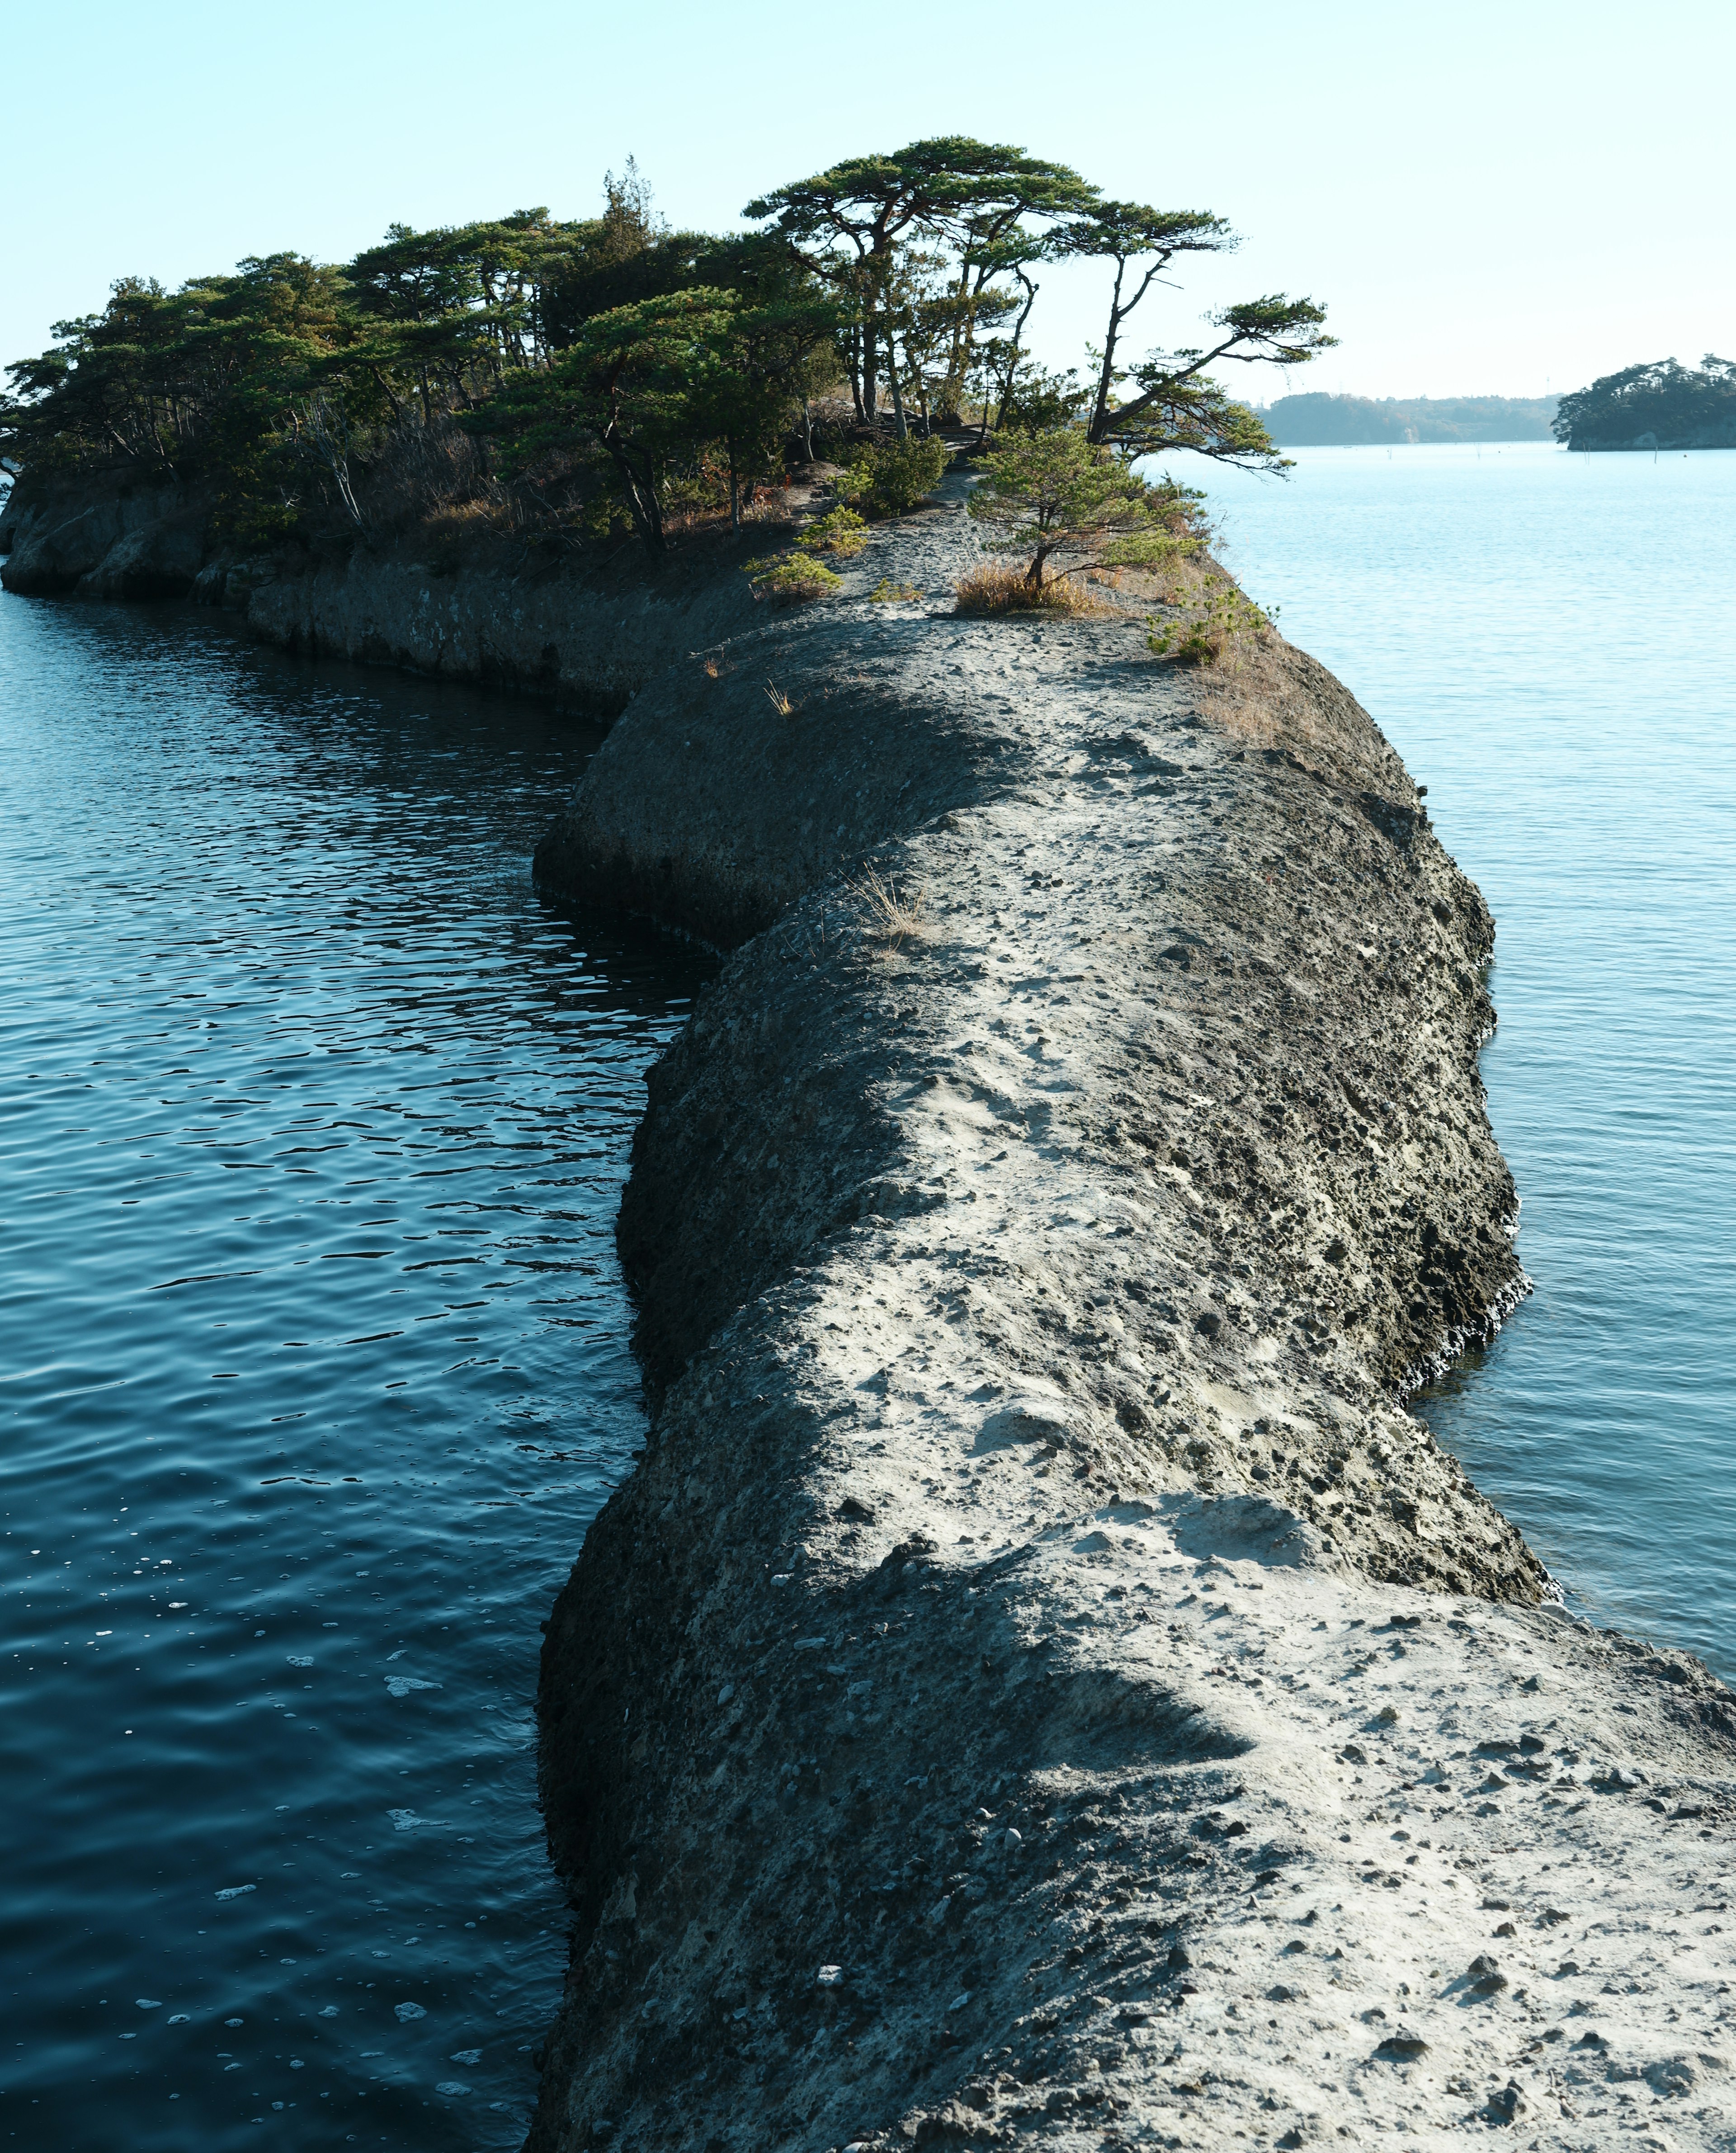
[1659,404]
[1318,420]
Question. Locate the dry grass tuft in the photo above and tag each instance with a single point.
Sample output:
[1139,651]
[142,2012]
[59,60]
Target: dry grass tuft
[779,701]
[994,587]
[894,917]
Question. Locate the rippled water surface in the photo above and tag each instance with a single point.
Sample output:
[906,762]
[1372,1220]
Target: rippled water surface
[1547,639]
[313,1366]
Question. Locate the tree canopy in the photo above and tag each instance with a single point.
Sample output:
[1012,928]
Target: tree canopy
[614,370]
[1658,405]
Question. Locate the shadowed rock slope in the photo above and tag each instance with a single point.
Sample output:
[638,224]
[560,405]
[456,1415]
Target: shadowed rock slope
[584,632]
[1038,1682]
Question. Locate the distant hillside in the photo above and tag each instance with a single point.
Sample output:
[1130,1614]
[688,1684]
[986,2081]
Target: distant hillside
[1322,421]
[1659,405]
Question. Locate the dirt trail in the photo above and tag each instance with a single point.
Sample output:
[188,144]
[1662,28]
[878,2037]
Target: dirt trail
[1038,1682]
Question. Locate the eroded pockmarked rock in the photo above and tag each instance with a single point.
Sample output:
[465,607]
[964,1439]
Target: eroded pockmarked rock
[1039,1682]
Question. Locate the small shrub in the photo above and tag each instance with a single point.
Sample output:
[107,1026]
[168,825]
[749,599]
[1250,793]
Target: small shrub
[888,592]
[1070,505]
[793,579]
[842,531]
[1209,635]
[994,587]
[892,918]
[890,480]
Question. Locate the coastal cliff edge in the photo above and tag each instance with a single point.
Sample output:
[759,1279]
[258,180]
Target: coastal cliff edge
[1038,1682]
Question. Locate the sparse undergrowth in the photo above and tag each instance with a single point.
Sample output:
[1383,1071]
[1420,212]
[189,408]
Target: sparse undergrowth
[894,916]
[891,479]
[996,588]
[841,531]
[1213,632]
[793,578]
[888,592]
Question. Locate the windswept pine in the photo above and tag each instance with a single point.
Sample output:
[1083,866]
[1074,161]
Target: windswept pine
[570,384]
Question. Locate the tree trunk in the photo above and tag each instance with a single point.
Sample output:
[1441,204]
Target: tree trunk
[734,497]
[1100,410]
[870,392]
[641,491]
[855,371]
[899,426]
[1012,363]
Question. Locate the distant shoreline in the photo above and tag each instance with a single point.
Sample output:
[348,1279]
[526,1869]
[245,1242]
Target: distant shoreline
[1317,420]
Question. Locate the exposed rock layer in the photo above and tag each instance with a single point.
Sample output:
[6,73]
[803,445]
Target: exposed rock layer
[587,637]
[1038,1681]
[137,542]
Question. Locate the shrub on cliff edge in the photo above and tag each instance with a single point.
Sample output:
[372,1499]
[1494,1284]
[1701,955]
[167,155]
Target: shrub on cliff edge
[1211,633]
[1061,500]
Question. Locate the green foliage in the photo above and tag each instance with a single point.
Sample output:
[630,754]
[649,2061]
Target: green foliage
[888,592]
[890,480]
[841,531]
[611,370]
[1208,633]
[1034,401]
[1656,406]
[793,578]
[622,365]
[970,210]
[1060,498]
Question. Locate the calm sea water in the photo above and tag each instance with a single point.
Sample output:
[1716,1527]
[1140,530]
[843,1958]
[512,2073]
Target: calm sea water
[1547,640]
[313,1369]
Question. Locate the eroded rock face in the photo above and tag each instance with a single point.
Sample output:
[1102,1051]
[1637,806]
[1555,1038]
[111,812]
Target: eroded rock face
[494,615]
[585,644]
[1035,1627]
[145,542]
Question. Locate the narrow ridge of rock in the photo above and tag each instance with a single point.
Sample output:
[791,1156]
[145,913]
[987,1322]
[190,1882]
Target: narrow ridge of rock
[1034,1626]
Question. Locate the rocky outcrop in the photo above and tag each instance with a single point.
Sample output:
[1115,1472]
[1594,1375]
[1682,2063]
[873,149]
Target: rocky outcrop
[584,638]
[137,542]
[1038,1682]
[582,632]
[1669,441]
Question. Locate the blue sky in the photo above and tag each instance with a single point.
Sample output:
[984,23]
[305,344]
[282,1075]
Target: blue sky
[1489,199]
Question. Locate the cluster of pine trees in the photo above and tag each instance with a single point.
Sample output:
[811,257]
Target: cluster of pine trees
[613,372]
[1658,405]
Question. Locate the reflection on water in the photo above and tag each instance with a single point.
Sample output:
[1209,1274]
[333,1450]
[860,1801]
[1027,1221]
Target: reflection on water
[1545,638]
[314,1368]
